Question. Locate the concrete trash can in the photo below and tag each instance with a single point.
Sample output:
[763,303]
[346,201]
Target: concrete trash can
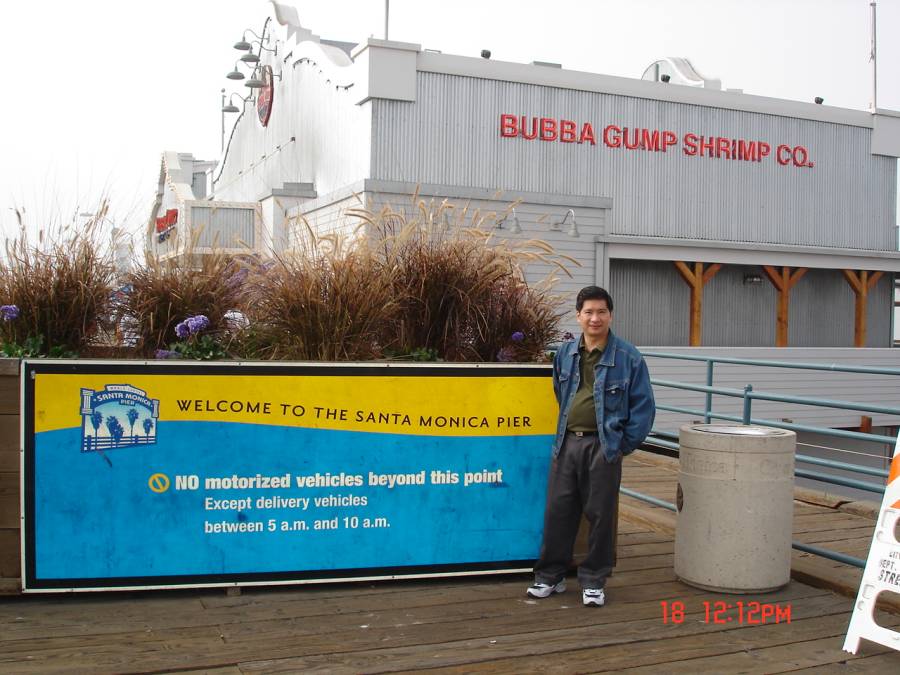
[735,504]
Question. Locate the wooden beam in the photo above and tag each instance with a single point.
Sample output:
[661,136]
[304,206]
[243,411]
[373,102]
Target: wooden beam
[861,283]
[874,278]
[783,281]
[685,272]
[853,280]
[711,272]
[865,424]
[796,276]
[696,279]
[774,276]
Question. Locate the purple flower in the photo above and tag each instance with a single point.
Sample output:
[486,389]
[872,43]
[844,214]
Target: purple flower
[506,355]
[518,336]
[9,312]
[182,330]
[197,323]
[167,354]
[568,336]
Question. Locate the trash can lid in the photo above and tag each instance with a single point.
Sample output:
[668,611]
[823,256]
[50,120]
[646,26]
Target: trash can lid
[737,430]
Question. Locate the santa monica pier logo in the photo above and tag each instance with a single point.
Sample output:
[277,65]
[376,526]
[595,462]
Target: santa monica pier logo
[118,416]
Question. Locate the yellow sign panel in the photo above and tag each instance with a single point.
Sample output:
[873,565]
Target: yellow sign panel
[407,404]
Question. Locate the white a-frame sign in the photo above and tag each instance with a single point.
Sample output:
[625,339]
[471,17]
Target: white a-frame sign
[882,569]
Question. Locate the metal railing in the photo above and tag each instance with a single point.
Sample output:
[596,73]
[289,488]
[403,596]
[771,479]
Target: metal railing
[749,395]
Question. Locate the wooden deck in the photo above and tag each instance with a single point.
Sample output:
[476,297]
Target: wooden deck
[467,624]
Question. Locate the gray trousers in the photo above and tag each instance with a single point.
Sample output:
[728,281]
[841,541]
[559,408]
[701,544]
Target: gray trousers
[581,481]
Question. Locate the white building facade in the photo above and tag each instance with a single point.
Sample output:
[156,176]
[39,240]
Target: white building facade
[714,218]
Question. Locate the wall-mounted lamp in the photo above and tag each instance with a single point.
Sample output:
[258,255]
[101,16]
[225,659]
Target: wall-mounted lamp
[250,57]
[485,53]
[242,45]
[514,227]
[752,279]
[573,229]
[235,74]
[665,78]
[230,107]
[254,82]
[819,100]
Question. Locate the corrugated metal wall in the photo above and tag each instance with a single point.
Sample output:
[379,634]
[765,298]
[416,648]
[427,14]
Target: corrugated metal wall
[323,220]
[450,135]
[652,306]
[223,227]
[860,388]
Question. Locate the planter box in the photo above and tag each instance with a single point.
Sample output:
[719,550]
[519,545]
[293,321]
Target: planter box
[10,550]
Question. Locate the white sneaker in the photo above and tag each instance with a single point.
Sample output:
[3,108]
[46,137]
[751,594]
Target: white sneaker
[546,590]
[593,597]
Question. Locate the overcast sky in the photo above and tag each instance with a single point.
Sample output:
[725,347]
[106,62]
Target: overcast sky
[98,89]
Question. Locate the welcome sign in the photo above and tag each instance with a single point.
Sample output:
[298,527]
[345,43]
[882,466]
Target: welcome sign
[170,474]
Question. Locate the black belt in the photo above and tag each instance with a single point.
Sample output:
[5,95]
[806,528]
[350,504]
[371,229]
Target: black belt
[582,433]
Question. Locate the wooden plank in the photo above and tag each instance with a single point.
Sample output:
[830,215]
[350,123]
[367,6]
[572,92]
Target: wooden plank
[9,443]
[9,554]
[866,509]
[605,630]
[11,586]
[826,536]
[9,500]
[339,632]
[9,395]
[674,645]
[862,663]
[807,654]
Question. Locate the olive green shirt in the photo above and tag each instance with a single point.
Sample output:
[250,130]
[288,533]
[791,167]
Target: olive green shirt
[583,414]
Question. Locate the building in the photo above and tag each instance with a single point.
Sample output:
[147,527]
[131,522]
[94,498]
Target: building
[715,218]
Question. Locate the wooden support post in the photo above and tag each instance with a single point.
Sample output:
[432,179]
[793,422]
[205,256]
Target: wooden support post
[865,424]
[861,284]
[696,279]
[783,281]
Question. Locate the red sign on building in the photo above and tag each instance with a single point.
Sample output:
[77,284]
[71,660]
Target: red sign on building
[266,96]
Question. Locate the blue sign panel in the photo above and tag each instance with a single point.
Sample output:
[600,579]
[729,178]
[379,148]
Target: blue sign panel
[143,475]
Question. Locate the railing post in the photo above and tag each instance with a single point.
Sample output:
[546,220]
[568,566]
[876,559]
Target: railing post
[709,382]
[747,403]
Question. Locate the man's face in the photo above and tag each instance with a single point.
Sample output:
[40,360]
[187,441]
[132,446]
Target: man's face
[594,319]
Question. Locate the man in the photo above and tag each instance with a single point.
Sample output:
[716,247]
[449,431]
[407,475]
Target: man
[606,410]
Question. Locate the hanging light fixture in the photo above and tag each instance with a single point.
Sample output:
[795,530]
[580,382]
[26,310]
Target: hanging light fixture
[254,82]
[235,74]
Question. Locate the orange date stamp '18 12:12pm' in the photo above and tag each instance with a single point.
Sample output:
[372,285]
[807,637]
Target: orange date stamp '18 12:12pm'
[741,612]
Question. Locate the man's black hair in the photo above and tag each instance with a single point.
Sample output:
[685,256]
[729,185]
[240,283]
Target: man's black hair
[593,293]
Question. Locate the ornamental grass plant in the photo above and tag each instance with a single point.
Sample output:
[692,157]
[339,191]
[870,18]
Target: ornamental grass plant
[461,292]
[160,296]
[330,301]
[61,286]
[410,287]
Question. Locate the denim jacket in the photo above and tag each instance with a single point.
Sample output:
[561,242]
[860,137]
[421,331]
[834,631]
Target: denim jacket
[623,397]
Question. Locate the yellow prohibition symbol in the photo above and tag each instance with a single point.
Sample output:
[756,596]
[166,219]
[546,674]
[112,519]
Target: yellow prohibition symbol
[159,482]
